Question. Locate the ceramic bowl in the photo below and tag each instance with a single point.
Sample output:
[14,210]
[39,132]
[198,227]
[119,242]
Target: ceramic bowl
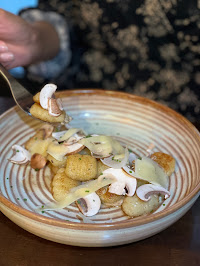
[132,120]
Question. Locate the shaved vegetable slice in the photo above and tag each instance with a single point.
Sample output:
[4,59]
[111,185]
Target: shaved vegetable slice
[150,171]
[81,191]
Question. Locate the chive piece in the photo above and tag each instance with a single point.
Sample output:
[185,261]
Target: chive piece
[93,200]
[79,202]
[25,199]
[42,211]
[79,158]
[17,198]
[130,150]
[163,204]
[87,191]
[130,172]
[35,138]
[17,150]
[36,169]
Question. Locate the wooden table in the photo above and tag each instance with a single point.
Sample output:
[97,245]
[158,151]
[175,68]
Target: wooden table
[177,245]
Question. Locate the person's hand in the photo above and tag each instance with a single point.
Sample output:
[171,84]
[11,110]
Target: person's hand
[22,43]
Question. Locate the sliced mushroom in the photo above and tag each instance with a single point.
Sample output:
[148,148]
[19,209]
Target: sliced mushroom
[38,161]
[53,107]
[125,185]
[90,204]
[46,93]
[115,161]
[21,155]
[48,129]
[144,192]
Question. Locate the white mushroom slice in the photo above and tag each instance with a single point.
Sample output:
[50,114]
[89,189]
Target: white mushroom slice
[46,93]
[48,129]
[59,102]
[144,192]
[132,157]
[90,204]
[125,185]
[53,107]
[21,156]
[111,161]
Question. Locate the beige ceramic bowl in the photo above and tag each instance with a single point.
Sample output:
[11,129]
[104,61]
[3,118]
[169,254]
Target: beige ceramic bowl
[134,121]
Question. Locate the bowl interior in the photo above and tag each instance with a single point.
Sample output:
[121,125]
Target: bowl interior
[134,121]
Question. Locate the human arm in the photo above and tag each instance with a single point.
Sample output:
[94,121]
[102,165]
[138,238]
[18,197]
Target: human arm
[23,43]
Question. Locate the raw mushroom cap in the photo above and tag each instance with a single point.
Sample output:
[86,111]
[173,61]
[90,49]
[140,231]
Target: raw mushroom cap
[46,93]
[125,185]
[92,204]
[144,192]
[21,156]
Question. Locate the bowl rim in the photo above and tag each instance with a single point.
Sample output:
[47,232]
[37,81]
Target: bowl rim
[118,225]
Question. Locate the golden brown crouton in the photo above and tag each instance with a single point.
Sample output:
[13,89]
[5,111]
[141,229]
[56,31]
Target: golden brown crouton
[37,111]
[109,199]
[166,161]
[81,167]
[61,185]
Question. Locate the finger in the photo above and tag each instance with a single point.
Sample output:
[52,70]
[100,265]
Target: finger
[3,47]
[6,57]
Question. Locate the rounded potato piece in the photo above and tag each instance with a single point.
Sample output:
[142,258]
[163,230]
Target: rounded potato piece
[134,207]
[81,167]
[39,135]
[109,199]
[166,161]
[54,169]
[61,185]
[36,98]
[37,111]
[55,162]
[101,167]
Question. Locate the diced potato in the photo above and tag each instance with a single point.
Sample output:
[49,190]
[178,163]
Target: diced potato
[134,207]
[55,162]
[37,111]
[166,161]
[61,184]
[101,167]
[109,199]
[81,167]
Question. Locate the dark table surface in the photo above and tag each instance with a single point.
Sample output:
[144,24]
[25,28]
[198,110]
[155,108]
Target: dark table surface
[177,245]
